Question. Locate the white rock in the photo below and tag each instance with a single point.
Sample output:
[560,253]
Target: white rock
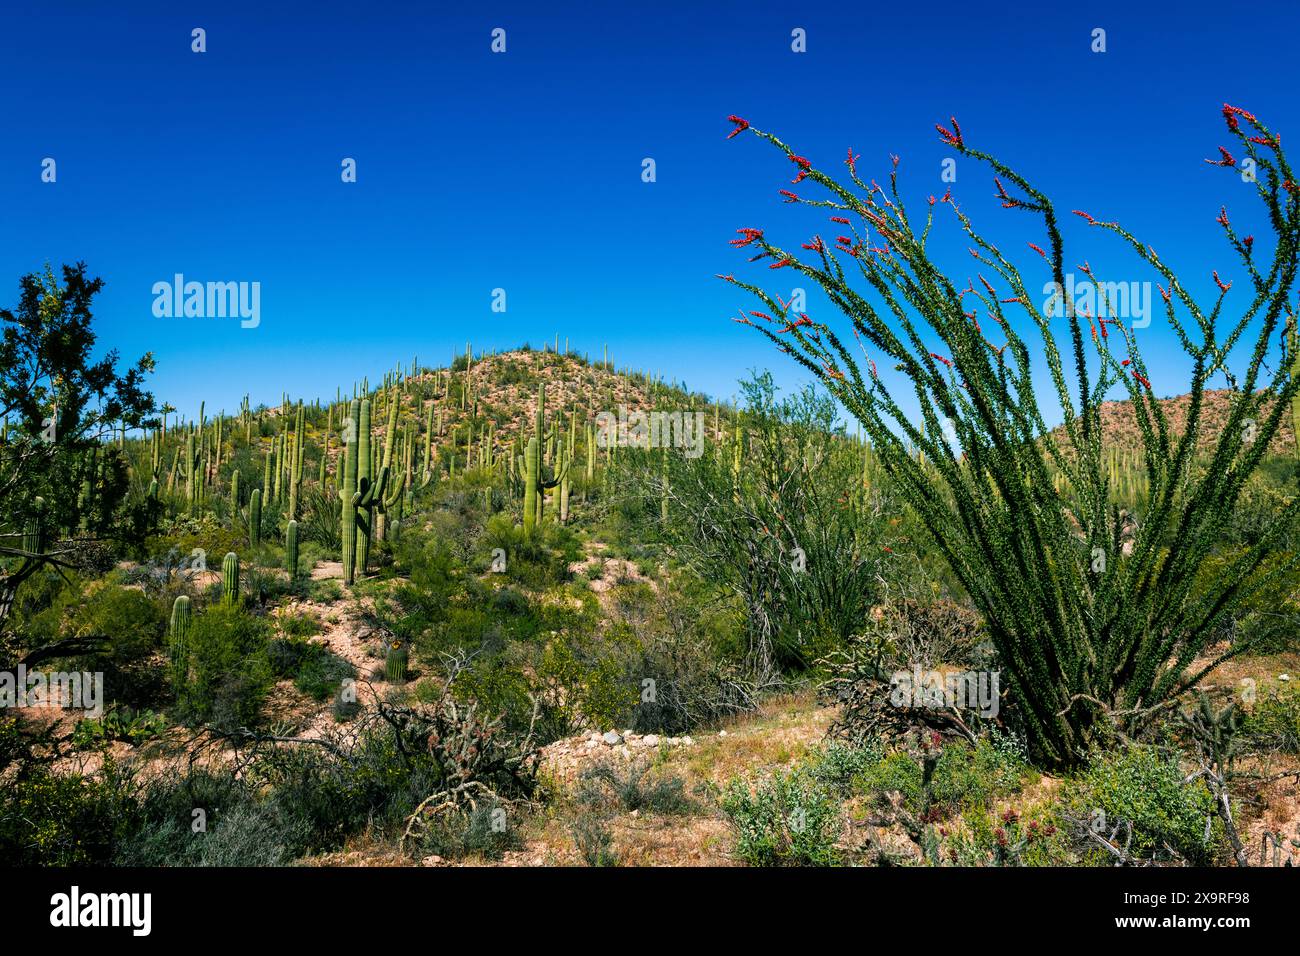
[688,741]
[722,733]
[612,738]
[1283,676]
[651,740]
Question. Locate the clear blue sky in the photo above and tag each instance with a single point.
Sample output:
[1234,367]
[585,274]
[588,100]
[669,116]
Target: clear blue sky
[523,170]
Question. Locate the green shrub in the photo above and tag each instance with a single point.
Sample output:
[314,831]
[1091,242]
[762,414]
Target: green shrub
[594,841]
[229,671]
[1144,786]
[1274,722]
[630,789]
[785,819]
[313,668]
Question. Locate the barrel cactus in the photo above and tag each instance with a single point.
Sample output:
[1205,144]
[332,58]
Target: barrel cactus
[395,663]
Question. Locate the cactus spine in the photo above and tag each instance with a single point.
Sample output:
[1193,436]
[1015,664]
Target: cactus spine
[179,633]
[230,578]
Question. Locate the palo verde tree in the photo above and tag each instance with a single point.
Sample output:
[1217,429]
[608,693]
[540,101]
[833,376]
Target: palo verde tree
[59,404]
[1097,622]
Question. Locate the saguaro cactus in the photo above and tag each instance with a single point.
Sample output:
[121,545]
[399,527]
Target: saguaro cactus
[179,633]
[349,495]
[34,530]
[255,517]
[191,465]
[230,578]
[291,549]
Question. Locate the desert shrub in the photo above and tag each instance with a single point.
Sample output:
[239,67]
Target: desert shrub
[594,841]
[299,625]
[632,787]
[1273,723]
[313,668]
[784,819]
[1145,787]
[970,777]
[835,765]
[897,773]
[483,831]
[229,672]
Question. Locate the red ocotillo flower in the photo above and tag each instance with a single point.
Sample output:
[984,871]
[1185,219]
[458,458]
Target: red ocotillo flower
[1270,141]
[1223,287]
[741,125]
[760,315]
[1126,362]
[1226,160]
[1248,242]
[936,355]
[802,320]
[727,278]
[1141,378]
[782,264]
[1222,218]
[852,161]
[1163,294]
[1080,212]
[748,236]
[1038,250]
[805,167]
[1013,299]
[789,196]
[844,240]
[840,219]
[815,245]
[951,137]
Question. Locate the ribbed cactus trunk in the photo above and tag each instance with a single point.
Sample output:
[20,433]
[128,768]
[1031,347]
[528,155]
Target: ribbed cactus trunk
[234,493]
[349,495]
[531,484]
[295,464]
[396,663]
[178,635]
[291,549]
[255,517]
[34,530]
[365,486]
[230,578]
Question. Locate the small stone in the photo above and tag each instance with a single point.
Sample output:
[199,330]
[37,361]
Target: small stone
[1283,676]
[650,740]
[612,738]
[687,741]
[722,733]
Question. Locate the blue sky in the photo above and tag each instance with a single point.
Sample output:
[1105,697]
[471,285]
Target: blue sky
[522,170]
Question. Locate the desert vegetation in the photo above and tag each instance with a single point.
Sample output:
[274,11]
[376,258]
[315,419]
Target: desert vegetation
[531,607]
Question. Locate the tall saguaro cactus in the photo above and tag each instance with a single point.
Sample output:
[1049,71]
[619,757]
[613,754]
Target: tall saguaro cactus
[230,578]
[179,633]
[291,549]
[255,517]
[349,494]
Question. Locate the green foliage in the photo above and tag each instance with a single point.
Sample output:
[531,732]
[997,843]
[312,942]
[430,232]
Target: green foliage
[784,819]
[632,787]
[122,724]
[1087,603]
[230,674]
[1273,723]
[313,668]
[594,841]
[1144,786]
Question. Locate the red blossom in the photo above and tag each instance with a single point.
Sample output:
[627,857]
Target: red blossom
[760,315]
[805,167]
[951,137]
[1226,159]
[782,264]
[741,125]
[1038,250]
[1138,375]
[789,196]
[749,235]
[936,355]
[852,161]
[1163,293]
[815,245]
[1080,212]
[1222,219]
[1248,242]
[1223,287]
[840,219]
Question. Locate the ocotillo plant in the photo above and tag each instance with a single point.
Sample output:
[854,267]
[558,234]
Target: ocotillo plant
[178,633]
[230,578]
[291,549]
[1087,633]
